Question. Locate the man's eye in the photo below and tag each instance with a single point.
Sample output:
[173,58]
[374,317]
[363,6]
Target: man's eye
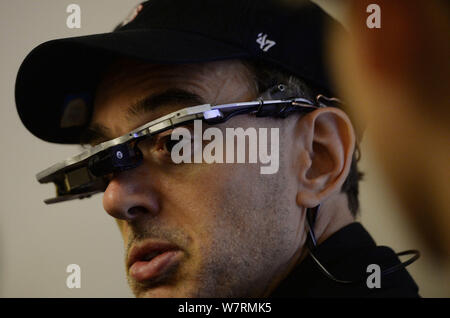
[168,144]
[161,144]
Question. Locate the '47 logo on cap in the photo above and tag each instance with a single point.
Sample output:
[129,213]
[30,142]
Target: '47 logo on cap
[264,43]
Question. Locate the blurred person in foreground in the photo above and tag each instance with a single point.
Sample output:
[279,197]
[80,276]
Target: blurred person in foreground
[396,79]
[212,229]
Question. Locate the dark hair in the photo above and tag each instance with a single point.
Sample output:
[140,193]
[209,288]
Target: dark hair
[266,75]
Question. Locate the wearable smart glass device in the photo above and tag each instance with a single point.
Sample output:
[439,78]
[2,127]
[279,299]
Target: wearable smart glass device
[89,172]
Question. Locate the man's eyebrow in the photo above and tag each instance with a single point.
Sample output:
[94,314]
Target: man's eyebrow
[174,96]
[95,134]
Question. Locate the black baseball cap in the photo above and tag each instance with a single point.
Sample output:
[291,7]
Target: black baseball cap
[56,82]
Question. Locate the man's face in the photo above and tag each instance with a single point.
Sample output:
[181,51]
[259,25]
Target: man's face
[235,229]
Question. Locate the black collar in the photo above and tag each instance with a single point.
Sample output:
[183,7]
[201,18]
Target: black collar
[346,254]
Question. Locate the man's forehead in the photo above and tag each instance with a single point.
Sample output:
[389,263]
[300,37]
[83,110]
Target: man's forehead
[128,79]
[132,91]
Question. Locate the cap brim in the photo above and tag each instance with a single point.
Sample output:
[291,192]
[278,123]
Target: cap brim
[57,68]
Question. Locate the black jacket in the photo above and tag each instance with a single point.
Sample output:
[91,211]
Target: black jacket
[346,255]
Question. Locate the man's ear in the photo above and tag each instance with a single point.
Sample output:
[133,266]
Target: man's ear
[325,139]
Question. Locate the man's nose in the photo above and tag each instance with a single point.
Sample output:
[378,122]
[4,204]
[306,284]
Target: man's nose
[130,195]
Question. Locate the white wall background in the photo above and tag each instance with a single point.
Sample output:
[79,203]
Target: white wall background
[37,241]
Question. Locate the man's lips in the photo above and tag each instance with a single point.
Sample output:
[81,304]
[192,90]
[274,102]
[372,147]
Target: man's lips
[150,259]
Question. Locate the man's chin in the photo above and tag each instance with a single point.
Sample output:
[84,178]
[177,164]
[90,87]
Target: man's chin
[164,291]
[159,292]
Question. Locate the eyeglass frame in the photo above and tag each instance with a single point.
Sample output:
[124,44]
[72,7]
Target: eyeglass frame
[92,164]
